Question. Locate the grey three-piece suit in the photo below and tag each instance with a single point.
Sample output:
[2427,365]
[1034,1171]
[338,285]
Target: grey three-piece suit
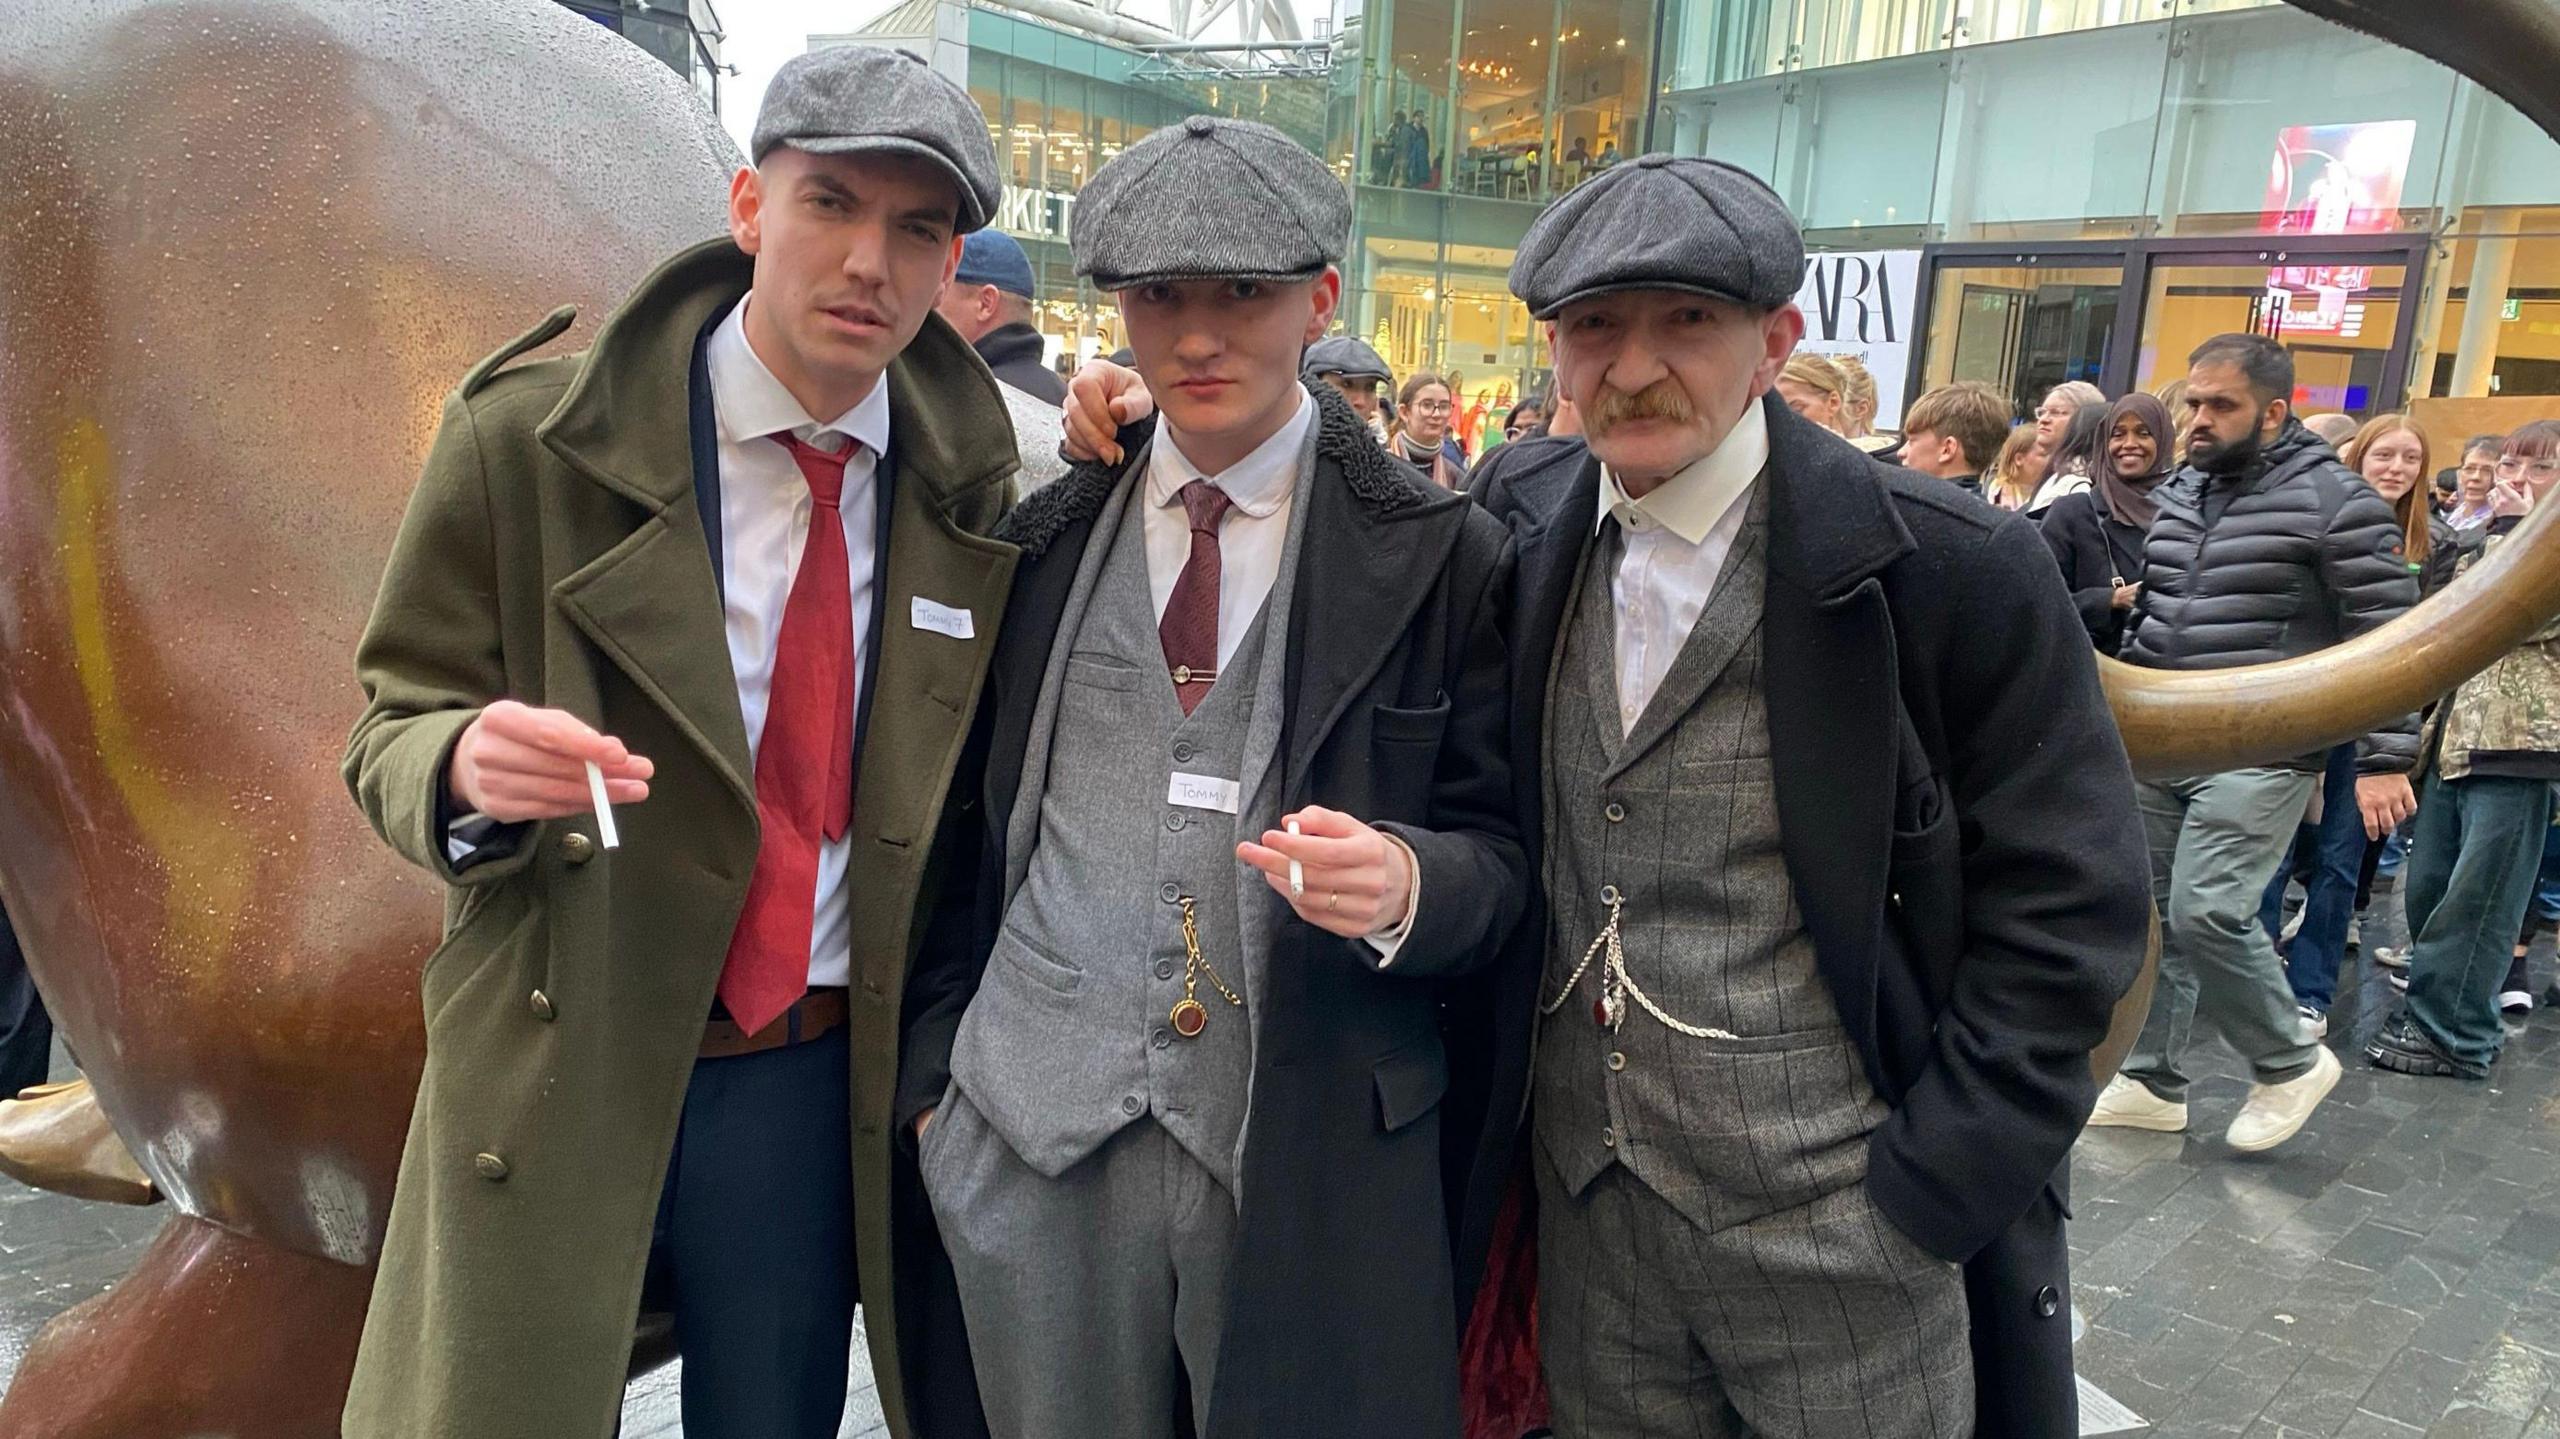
[1084,1168]
[1711,1264]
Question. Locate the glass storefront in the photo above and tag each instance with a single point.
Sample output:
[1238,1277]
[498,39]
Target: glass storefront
[2096,187]
[1453,121]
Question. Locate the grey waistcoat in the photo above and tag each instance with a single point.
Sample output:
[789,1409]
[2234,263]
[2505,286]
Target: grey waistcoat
[1679,817]
[1069,1038]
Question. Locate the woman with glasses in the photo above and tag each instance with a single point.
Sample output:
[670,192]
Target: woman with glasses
[2492,753]
[2473,480]
[1424,408]
[2053,414]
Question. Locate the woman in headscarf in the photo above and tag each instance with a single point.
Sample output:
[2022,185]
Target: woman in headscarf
[2097,534]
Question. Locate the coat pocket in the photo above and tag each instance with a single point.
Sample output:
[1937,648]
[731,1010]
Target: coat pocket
[1411,1082]
[490,933]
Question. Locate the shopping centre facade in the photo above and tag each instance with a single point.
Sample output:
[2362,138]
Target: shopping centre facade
[2017,191]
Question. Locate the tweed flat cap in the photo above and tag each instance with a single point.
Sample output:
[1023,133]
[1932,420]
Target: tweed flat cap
[1210,198]
[1348,356]
[1662,222]
[850,98]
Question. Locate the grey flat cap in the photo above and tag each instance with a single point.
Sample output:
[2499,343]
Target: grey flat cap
[1210,198]
[1348,356]
[1662,222]
[850,98]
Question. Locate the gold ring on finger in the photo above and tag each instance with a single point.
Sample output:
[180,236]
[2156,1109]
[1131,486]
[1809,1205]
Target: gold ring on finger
[1332,901]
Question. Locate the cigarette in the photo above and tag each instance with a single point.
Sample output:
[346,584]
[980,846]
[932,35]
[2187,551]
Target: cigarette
[1297,871]
[604,809]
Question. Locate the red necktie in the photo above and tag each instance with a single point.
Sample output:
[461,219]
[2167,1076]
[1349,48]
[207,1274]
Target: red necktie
[804,762]
[1189,628]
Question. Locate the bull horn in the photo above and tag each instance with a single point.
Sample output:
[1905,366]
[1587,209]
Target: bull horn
[2185,722]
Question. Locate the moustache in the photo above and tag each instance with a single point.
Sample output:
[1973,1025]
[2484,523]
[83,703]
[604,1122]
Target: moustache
[1660,400]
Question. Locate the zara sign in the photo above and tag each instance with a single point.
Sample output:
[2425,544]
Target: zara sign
[1863,303]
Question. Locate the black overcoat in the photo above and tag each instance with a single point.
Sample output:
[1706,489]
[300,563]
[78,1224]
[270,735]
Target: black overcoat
[1958,820]
[1340,1319]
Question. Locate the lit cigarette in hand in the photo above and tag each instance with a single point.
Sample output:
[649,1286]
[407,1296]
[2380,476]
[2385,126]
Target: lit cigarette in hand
[604,809]
[1297,871]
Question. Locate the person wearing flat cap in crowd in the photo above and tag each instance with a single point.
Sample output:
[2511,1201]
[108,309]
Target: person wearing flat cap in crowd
[1348,364]
[730,554]
[989,302]
[1181,1083]
[1842,878]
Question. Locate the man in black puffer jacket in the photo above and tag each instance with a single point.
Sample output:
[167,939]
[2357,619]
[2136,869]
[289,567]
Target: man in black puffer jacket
[2266,547]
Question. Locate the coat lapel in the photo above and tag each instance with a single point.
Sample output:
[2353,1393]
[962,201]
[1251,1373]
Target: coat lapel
[1377,536]
[1833,698]
[651,602]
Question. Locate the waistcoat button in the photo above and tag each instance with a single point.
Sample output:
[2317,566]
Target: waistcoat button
[1608,894]
[1131,1105]
[1163,1039]
[1616,812]
[1182,749]
[1608,1138]
[1164,969]
[1617,1061]
[1174,821]
[1170,893]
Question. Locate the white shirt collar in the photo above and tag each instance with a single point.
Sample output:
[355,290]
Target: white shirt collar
[749,403]
[1255,484]
[1690,502]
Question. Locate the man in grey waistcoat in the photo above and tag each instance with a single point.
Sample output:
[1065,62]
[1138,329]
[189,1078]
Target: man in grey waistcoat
[1842,876]
[1179,1078]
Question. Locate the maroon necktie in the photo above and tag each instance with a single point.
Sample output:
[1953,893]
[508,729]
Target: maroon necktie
[1189,628]
[804,762]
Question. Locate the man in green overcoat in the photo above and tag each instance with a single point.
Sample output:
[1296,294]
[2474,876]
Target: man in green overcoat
[729,565]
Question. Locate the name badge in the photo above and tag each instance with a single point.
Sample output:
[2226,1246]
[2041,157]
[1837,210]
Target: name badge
[942,619]
[1200,791]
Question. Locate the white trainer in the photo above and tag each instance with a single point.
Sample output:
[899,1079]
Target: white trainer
[2130,1104]
[2277,1112]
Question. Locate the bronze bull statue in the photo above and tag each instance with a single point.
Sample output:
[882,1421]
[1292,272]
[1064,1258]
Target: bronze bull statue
[249,245]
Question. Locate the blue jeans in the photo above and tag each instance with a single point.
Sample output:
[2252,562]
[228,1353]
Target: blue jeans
[2472,862]
[2336,851]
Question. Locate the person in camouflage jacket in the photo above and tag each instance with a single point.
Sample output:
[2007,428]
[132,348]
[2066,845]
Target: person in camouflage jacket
[2489,758]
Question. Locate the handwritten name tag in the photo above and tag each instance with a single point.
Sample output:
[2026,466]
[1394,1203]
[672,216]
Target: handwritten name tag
[942,619]
[1200,791]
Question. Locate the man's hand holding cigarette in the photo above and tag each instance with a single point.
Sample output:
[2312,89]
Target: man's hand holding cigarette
[519,763]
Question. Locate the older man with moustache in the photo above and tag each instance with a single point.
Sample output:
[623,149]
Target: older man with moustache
[1842,874]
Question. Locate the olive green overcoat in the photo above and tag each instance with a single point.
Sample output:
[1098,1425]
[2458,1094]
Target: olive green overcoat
[554,553]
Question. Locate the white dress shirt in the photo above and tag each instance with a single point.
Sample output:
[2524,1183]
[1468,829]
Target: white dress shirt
[764,522]
[1676,540]
[1262,489]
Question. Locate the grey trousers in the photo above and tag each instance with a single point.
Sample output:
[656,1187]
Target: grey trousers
[2215,842]
[1089,1295]
[1821,1322]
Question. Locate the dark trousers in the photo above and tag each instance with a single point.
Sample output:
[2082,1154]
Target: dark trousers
[2471,869]
[26,1031]
[753,1250]
[2334,852]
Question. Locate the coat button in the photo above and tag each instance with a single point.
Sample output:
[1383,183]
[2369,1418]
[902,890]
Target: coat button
[2048,1302]
[1131,1105]
[491,1167]
[577,848]
[542,1007]
[1164,969]
[1617,813]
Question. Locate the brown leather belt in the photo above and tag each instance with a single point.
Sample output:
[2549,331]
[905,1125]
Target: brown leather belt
[810,1016]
